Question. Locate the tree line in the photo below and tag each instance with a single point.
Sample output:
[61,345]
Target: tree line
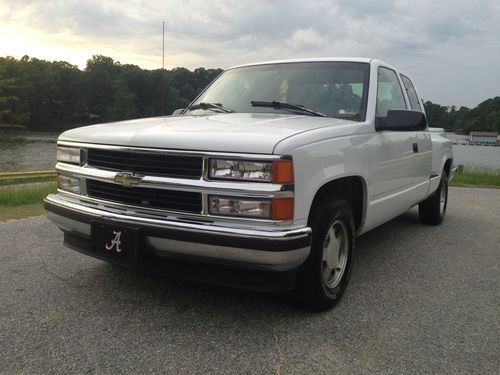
[484,117]
[56,95]
[45,95]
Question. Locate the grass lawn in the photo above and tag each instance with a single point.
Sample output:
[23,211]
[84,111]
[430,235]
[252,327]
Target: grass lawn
[19,196]
[26,180]
[17,203]
[477,178]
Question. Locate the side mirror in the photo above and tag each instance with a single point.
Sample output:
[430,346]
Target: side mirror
[402,120]
[177,112]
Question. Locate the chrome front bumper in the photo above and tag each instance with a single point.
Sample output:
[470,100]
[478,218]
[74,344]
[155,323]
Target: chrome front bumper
[270,250]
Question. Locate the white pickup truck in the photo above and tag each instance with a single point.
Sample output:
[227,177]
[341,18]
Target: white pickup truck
[264,181]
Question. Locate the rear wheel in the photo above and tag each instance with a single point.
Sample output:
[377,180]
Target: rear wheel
[324,276]
[433,209]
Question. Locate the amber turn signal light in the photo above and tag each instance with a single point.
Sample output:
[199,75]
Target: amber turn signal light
[282,208]
[283,172]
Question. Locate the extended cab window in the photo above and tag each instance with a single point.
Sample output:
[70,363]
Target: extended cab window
[412,94]
[389,92]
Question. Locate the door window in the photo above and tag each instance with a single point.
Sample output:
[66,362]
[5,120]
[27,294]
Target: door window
[389,92]
[412,94]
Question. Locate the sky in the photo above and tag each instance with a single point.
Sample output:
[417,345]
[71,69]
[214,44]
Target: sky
[451,48]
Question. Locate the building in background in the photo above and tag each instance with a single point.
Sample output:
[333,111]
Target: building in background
[483,138]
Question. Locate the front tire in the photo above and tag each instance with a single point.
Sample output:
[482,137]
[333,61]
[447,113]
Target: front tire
[323,277]
[433,209]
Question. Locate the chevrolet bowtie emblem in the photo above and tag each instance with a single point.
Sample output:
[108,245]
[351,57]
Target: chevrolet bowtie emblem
[127,179]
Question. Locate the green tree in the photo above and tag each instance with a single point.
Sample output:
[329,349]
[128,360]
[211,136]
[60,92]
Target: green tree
[122,105]
[100,74]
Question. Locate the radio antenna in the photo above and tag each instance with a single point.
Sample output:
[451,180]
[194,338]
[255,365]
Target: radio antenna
[163,48]
[163,71]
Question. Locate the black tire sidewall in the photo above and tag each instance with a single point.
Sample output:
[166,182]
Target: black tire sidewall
[444,185]
[310,277]
[430,209]
[346,216]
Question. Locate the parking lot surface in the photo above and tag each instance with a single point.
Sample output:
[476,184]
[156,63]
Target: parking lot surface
[421,299]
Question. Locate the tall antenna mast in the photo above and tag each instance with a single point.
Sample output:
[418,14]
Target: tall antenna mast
[163,48]
[163,72]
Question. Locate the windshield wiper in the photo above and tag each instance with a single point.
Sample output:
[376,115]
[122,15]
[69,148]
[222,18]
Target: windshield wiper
[204,105]
[283,105]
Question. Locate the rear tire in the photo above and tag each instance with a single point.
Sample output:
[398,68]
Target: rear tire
[323,277]
[433,209]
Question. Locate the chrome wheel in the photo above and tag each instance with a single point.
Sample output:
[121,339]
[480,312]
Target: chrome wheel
[335,253]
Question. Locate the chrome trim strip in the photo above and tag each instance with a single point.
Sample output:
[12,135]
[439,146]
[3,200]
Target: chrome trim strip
[256,189]
[173,151]
[204,204]
[270,234]
[83,156]
[205,169]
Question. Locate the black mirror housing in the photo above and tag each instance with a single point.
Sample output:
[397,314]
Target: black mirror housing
[402,120]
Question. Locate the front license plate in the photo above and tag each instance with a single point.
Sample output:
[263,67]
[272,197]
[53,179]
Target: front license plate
[115,242]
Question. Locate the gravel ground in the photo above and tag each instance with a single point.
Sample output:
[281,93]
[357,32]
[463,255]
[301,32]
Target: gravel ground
[421,300]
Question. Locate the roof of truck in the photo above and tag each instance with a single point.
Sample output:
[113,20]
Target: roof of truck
[310,59]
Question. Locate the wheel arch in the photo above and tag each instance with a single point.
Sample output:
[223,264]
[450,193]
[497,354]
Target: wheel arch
[352,188]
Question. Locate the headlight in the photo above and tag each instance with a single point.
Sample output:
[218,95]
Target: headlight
[275,209]
[68,155]
[67,183]
[278,172]
[240,207]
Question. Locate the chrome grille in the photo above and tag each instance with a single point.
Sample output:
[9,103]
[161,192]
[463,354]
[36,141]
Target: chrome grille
[146,197]
[146,163]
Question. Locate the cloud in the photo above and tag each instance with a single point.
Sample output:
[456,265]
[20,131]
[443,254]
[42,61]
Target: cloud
[450,47]
[306,38]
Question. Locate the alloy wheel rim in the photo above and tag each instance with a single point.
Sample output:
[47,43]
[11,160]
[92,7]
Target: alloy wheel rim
[335,253]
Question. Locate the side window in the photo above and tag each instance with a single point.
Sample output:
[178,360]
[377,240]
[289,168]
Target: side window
[412,94]
[389,92]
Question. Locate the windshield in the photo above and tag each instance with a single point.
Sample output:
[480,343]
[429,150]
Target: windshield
[336,89]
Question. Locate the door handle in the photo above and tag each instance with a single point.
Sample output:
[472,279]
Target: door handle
[415,147]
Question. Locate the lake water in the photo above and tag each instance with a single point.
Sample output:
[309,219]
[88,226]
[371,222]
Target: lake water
[477,156]
[33,151]
[27,151]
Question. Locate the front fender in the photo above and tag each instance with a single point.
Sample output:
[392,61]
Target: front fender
[322,162]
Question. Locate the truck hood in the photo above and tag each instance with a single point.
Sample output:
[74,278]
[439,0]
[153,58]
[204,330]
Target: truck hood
[234,132]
